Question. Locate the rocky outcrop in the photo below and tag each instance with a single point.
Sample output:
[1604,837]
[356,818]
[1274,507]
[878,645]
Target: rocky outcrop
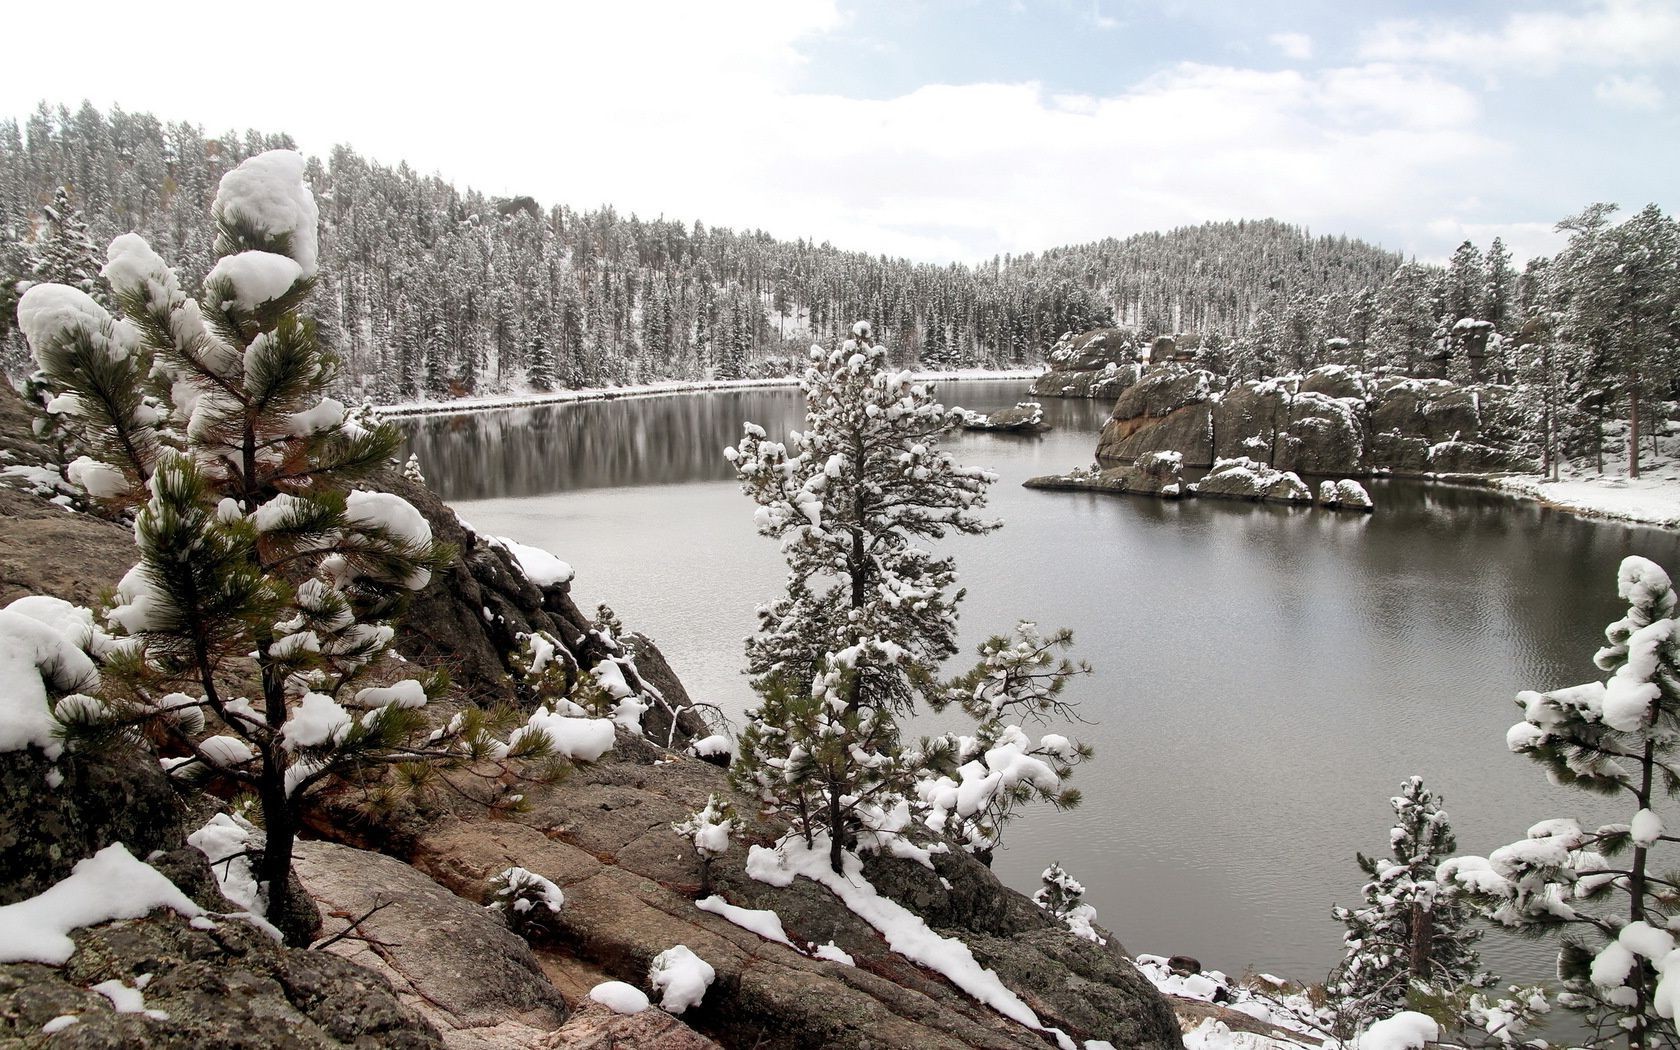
[1328,421]
[604,836]
[1156,474]
[1244,479]
[1100,363]
[226,987]
[475,617]
[1027,417]
[452,961]
[595,1027]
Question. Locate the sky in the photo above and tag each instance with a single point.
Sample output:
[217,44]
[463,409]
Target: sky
[942,130]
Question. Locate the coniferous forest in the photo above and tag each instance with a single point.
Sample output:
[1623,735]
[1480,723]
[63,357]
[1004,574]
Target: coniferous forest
[432,290]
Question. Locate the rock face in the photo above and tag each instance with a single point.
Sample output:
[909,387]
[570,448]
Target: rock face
[594,1027]
[1245,479]
[604,836]
[456,964]
[1027,417]
[1329,421]
[226,987]
[472,619]
[1100,363]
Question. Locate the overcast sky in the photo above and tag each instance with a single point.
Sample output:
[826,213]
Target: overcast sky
[938,130]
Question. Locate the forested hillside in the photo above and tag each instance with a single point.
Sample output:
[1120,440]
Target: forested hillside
[429,290]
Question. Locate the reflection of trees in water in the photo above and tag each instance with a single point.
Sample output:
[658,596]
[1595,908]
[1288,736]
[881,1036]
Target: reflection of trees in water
[634,441]
[638,441]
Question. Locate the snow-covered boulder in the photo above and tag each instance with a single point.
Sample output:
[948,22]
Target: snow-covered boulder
[1346,494]
[1027,417]
[1153,474]
[1243,478]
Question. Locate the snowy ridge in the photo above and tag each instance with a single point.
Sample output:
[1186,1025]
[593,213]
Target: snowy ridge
[563,397]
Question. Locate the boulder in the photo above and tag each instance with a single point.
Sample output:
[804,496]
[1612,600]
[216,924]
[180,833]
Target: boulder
[452,961]
[1169,409]
[1153,474]
[1324,435]
[1245,479]
[1248,419]
[1027,417]
[227,987]
[1346,494]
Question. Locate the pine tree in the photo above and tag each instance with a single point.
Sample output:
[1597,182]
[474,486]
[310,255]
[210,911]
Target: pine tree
[1604,891]
[539,365]
[1410,943]
[63,251]
[266,579]
[973,783]
[867,617]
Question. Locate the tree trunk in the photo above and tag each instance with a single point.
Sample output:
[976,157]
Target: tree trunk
[836,833]
[1633,433]
[1423,941]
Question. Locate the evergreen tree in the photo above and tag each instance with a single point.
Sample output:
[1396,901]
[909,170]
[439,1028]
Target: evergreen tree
[266,579]
[63,251]
[539,364]
[1604,890]
[1411,942]
[867,616]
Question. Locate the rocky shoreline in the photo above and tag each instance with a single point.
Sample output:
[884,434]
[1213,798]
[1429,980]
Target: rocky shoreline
[407,954]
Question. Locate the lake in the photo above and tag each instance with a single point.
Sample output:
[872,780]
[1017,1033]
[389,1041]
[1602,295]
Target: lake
[1264,676]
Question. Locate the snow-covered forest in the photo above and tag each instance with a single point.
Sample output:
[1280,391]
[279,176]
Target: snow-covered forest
[431,290]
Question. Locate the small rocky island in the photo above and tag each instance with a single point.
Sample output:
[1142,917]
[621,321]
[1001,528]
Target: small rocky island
[1027,417]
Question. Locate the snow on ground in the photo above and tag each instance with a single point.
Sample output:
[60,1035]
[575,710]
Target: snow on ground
[762,921]
[558,397]
[1653,498]
[1287,1013]
[111,884]
[904,930]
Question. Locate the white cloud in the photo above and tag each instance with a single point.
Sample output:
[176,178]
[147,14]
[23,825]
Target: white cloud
[1524,240]
[700,112]
[1640,93]
[1603,33]
[1298,46]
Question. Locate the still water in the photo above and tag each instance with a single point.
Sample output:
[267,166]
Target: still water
[1264,676]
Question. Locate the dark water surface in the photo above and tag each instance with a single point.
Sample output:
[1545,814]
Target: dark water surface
[1265,676]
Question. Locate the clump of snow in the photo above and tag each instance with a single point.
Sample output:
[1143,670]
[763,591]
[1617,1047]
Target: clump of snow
[109,885]
[716,744]
[397,518]
[101,480]
[407,693]
[317,721]
[267,193]
[127,999]
[904,930]
[681,977]
[619,997]
[59,1024]
[250,279]
[580,739]
[538,565]
[522,894]
[762,921]
[226,842]
[1407,1030]
[48,313]
[708,829]
[33,656]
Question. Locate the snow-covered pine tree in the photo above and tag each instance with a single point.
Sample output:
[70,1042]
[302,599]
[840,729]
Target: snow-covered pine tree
[973,783]
[266,579]
[1411,942]
[1618,738]
[539,365]
[63,251]
[857,638]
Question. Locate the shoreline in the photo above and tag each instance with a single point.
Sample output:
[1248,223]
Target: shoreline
[462,406]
